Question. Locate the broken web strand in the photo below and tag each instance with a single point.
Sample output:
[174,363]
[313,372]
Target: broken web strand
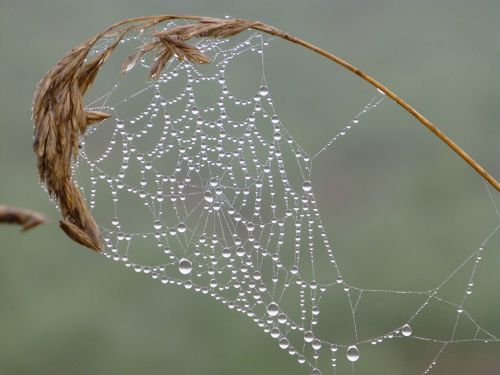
[230,236]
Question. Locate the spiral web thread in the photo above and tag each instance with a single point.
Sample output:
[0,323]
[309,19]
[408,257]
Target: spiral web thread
[234,215]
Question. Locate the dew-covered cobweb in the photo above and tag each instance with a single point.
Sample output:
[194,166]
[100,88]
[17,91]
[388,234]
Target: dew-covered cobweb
[195,186]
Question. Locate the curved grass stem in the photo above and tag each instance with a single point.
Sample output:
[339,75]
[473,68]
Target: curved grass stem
[291,38]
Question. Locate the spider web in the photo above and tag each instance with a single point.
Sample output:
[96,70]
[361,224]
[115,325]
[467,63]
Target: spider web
[198,187]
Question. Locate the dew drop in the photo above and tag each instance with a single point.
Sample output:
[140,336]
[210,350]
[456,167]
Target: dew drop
[308,336]
[240,251]
[352,353]
[226,252]
[316,344]
[282,318]
[273,309]
[185,266]
[284,343]
[406,330]
[307,186]
[157,225]
[181,228]
[263,91]
[209,197]
[214,182]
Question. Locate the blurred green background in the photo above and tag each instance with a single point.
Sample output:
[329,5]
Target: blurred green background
[402,210]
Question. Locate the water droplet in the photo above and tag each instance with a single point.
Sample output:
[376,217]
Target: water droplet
[284,343]
[185,266]
[157,224]
[209,197]
[316,344]
[315,372]
[263,91]
[214,182]
[275,333]
[307,186]
[226,252]
[240,251]
[352,353]
[282,318]
[181,228]
[308,336]
[273,309]
[406,330]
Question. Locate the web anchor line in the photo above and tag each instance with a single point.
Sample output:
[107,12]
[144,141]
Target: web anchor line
[373,103]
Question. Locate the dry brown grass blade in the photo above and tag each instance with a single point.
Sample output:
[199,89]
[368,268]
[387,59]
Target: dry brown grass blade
[60,119]
[172,42]
[78,235]
[131,61]
[91,117]
[27,219]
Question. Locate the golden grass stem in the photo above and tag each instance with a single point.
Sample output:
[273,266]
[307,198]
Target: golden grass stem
[292,38]
[407,107]
[59,124]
